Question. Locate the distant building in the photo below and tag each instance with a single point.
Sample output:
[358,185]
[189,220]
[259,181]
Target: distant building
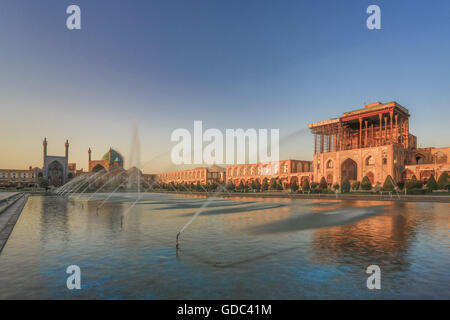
[201,175]
[56,168]
[111,160]
[19,177]
[285,171]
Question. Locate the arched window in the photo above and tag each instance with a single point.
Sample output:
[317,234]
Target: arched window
[329,164]
[419,158]
[370,161]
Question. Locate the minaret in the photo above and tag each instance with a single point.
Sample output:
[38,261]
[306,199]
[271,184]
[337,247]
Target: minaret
[44,143]
[67,150]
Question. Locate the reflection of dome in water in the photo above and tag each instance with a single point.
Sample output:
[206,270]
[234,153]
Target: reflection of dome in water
[113,156]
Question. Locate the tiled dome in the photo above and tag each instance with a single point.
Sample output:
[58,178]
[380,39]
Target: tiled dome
[113,156]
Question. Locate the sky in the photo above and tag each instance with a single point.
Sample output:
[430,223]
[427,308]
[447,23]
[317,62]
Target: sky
[231,64]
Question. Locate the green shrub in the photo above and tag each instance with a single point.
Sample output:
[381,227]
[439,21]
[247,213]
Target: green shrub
[388,184]
[355,185]
[323,183]
[257,186]
[273,184]
[413,184]
[314,185]
[294,186]
[432,184]
[365,184]
[230,186]
[443,180]
[345,187]
[305,185]
[336,186]
[43,183]
[279,186]
[417,191]
[265,185]
[240,187]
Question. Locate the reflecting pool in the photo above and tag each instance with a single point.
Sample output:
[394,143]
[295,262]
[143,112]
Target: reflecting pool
[237,248]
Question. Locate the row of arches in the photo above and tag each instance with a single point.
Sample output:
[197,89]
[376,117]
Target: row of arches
[285,181]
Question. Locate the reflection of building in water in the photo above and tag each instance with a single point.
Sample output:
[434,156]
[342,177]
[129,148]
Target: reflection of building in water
[261,212]
[381,238]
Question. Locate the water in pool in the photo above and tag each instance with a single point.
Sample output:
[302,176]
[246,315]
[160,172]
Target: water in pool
[237,248]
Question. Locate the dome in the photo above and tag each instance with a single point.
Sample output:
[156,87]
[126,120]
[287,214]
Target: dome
[113,156]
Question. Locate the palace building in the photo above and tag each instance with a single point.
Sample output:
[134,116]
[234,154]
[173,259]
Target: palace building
[374,141]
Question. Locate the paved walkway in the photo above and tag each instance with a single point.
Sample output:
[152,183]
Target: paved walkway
[9,213]
[5,195]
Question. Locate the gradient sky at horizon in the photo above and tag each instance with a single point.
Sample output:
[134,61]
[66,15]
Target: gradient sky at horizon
[231,64]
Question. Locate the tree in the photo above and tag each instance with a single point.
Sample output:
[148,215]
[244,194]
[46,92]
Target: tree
[240,187]
[432,184]
[294,186]
[413,183]
[273,184]
[43,183]
[265,185]
[253,185]
[365,184]
[355,185]
[323,183]
[279,185]
[230,186]
[257,185]
[443,180]
[305,185]
[388,184]
[336,186]
[345,186]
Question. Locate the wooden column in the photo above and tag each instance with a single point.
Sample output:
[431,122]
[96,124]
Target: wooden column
[407,133]
[360,132]
[396,128]
[315,143]
[334,142]
[391,115]
[372,142]
[321,141]
[381,126]
[365,138]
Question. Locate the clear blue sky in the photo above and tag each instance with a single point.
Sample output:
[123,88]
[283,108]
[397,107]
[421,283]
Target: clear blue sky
[232,64]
